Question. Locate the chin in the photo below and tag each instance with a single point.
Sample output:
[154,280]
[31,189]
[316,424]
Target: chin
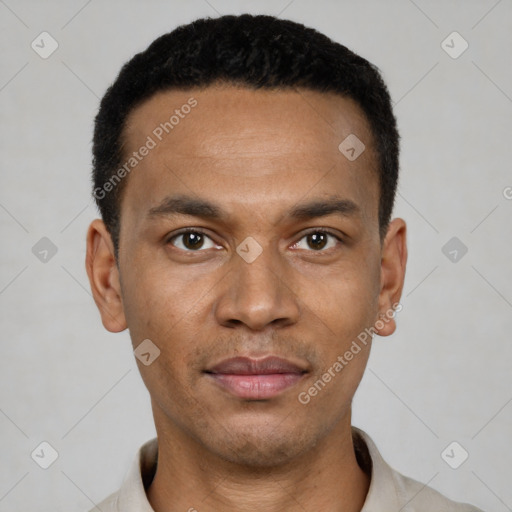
[261,448]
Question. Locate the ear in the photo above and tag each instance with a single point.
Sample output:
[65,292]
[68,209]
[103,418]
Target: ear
[103,275]
[393,263]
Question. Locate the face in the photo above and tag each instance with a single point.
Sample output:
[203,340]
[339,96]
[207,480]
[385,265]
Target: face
[246,233]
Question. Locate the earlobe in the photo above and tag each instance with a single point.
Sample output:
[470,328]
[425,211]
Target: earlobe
[393,265]
[103,275]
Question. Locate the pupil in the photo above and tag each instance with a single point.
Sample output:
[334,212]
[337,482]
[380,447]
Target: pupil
[317,240]
[193,240]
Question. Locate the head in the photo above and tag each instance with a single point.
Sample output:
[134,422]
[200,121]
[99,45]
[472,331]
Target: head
[245,169]
[257,53]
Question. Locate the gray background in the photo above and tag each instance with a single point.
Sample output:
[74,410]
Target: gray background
[443,376]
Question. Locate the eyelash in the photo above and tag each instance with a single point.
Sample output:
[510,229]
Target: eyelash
[325,231]
[200,231]
[184,231]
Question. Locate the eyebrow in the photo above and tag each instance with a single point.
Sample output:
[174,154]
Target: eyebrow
[324,207]
[196,207]
[187,205]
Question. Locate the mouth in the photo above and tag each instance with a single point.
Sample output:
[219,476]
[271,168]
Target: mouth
[256,379]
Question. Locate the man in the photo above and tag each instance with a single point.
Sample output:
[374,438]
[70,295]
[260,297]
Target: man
[245,168]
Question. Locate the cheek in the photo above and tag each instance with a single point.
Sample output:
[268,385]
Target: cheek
[160,308]
[168,307]
[157,298]
[345,300]
[346,305]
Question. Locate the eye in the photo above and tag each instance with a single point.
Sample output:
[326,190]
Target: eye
[192,240]
[318,240]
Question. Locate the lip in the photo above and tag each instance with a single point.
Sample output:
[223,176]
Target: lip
[256,379]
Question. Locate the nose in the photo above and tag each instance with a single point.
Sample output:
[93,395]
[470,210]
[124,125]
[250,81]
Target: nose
[257,294]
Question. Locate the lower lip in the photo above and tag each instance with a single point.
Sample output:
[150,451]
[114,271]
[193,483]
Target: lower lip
[256,387]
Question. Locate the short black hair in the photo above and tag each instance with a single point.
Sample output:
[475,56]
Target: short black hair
[253,51]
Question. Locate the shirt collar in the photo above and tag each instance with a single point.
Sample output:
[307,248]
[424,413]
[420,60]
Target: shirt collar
[132,495]
[381,491]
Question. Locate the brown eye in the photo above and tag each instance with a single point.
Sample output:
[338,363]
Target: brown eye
[318,241]
[192,241]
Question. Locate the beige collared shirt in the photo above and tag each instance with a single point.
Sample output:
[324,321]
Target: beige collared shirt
[389,490]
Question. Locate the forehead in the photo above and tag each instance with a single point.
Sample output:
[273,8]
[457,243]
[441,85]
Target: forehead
[256,145]
[221,112]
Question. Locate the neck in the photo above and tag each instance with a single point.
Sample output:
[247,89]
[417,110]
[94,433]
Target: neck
[189,477]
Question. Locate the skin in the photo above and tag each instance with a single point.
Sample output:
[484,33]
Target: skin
[256,155]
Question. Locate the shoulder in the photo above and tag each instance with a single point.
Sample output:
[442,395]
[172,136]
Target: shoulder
[131,497]
[390,490]
[109,504]
[418,497]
